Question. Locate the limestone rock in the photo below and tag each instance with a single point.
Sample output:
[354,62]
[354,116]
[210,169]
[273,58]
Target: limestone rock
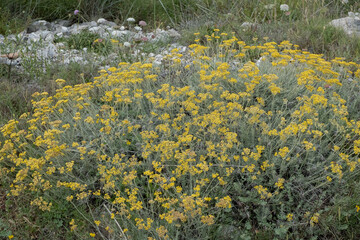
[103,21]
[350,24]
[38,25]
[64,23]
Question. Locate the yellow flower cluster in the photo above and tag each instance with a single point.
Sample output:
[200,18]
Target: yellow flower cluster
[165,145]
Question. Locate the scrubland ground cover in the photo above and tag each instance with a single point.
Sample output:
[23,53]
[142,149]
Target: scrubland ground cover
[255,139]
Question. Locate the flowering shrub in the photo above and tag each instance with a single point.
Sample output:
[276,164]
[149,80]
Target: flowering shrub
[205,143]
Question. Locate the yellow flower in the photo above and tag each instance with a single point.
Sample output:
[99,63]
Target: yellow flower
[290,217]
[224,202]
[92,234]
[208,220]
[73,225]
[314,219]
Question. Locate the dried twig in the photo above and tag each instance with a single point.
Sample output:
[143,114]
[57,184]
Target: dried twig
[107,209]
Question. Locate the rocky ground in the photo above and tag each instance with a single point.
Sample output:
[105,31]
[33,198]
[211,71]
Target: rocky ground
[50,42]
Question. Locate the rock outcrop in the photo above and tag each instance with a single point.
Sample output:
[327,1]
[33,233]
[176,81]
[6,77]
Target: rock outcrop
[350,24]
[40,41]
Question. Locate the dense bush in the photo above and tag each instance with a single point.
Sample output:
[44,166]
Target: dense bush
[209,145]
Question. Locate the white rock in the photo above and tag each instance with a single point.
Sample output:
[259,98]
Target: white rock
[94,29]
[61,22]
[48,52]
[12,62]
[60,45]
[52,51]
[49,38]
[60,34]
[349,24]
[11,37]
[64,29]
[43,34]
[38,25]
[77,28]
[34,37]
[101,20]
[92,24]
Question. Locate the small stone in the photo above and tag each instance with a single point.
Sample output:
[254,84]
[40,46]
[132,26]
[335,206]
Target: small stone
[60,45]
[38,25]
[49,38]
[44,34]
[11,37]
[94,29]
[92,24]
[64,23]
[101,20]
[59,35]
[64,29]
[33,37]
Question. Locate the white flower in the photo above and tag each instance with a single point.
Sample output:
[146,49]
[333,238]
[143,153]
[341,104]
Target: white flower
[122,28]
[284,7]
[130,19]
[127,44]
[137,28]
[157,62]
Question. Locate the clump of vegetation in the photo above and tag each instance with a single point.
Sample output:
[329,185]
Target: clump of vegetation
[88,40]
[234,141]
[208,145]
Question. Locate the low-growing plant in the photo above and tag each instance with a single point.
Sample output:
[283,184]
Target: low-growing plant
[206,145]
[88,40]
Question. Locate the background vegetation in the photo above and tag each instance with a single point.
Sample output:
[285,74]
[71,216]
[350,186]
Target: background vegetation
[305,24]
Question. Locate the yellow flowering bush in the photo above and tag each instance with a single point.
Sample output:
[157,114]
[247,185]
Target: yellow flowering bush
[207,140]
